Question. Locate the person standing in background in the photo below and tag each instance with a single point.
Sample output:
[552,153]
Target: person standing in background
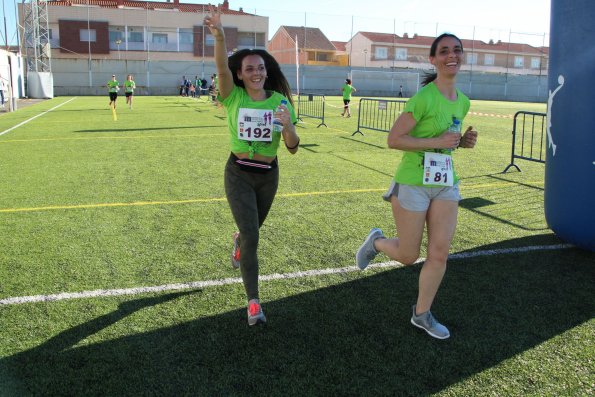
[2,90]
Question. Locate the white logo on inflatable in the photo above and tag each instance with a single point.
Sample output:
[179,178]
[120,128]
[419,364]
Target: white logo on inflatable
[550,103]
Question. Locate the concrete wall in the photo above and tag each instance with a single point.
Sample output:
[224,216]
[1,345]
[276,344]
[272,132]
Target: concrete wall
[74,77]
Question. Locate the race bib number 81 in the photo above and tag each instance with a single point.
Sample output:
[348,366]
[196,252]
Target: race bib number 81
[437,169]
[255,125]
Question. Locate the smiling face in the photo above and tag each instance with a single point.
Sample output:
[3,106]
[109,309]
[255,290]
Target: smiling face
[448,57]
[253,72]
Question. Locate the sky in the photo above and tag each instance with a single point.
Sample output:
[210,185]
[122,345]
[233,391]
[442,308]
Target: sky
[518,21]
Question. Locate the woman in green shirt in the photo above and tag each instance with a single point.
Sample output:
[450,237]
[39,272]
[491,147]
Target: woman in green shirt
[347,90]
[425,190]
[113,86]
[256,95]
[129,86]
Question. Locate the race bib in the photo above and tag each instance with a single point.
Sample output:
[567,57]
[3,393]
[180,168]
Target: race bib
[255,125]
[438,169]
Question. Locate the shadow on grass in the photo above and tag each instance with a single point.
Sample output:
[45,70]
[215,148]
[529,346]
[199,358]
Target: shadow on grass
[509,205]
[363,143]
[353,338]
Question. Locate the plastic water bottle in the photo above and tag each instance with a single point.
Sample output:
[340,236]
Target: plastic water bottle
[455,126]
[277,124]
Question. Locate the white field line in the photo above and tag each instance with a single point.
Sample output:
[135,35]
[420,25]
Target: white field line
[34,117]
[276,276]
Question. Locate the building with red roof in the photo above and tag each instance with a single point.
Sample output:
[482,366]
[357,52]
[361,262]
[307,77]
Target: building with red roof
[137,30]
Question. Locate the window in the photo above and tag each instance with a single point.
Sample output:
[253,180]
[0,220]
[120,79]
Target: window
[159,38]
[260,41]
[135,37]
[472,58]
[88,35]
[322,56]
[247,39]
[50,34]
[209,40]
[381,53]
[250,40]
[489,59]
[519,62]
[535,63]
[186,37]
[401,54]
[115,35]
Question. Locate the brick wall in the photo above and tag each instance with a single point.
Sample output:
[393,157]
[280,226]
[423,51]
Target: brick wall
[70,38]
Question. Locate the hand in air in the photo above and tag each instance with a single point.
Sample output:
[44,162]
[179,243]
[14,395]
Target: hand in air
[213,21]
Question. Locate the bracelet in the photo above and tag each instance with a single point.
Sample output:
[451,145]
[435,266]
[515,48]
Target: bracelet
[293,147]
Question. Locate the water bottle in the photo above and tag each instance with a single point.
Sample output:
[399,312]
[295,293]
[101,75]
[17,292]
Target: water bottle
[455,126]
[277,124]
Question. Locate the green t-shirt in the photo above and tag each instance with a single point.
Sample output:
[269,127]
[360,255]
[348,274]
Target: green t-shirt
[347,90]
[239,98]
[113,85]
[129,85]
[433,114]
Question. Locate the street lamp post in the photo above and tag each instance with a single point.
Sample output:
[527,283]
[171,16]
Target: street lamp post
[118,42]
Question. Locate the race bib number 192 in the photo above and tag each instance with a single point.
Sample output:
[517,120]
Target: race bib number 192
[437,169]
[255,125]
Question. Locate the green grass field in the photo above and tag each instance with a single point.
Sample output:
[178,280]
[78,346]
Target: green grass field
[92,204]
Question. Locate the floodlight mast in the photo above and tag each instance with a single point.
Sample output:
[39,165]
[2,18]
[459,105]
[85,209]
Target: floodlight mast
[36,37]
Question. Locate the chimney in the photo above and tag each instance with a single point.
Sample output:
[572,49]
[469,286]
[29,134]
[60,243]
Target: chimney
[405,36]
[225,5]
[176,2]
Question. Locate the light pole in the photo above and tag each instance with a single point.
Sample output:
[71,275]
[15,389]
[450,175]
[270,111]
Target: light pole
[118,42]
[365,58]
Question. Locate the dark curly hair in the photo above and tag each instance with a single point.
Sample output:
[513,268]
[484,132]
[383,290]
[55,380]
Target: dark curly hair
[275,80]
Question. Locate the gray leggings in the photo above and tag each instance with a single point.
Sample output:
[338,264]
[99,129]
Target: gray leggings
[250,196]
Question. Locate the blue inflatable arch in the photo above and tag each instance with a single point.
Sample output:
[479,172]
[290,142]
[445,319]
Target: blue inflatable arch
[570,159]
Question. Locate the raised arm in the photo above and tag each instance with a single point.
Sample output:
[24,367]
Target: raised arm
[213,22]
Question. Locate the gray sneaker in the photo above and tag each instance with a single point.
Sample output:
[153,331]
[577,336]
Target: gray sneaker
[367,252]
[428,323]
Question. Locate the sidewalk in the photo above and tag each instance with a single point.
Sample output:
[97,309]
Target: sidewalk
[21,103]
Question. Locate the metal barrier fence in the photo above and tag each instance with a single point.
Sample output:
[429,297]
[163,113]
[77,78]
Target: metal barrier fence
[377,114]
[528,138]
[312,106]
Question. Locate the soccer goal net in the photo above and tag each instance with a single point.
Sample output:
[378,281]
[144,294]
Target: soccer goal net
[384,83]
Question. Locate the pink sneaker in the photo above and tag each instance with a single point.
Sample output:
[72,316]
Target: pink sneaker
[255,313]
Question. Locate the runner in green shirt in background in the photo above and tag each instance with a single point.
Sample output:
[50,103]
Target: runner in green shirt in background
[347,90]
[113,88]
[129,86]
